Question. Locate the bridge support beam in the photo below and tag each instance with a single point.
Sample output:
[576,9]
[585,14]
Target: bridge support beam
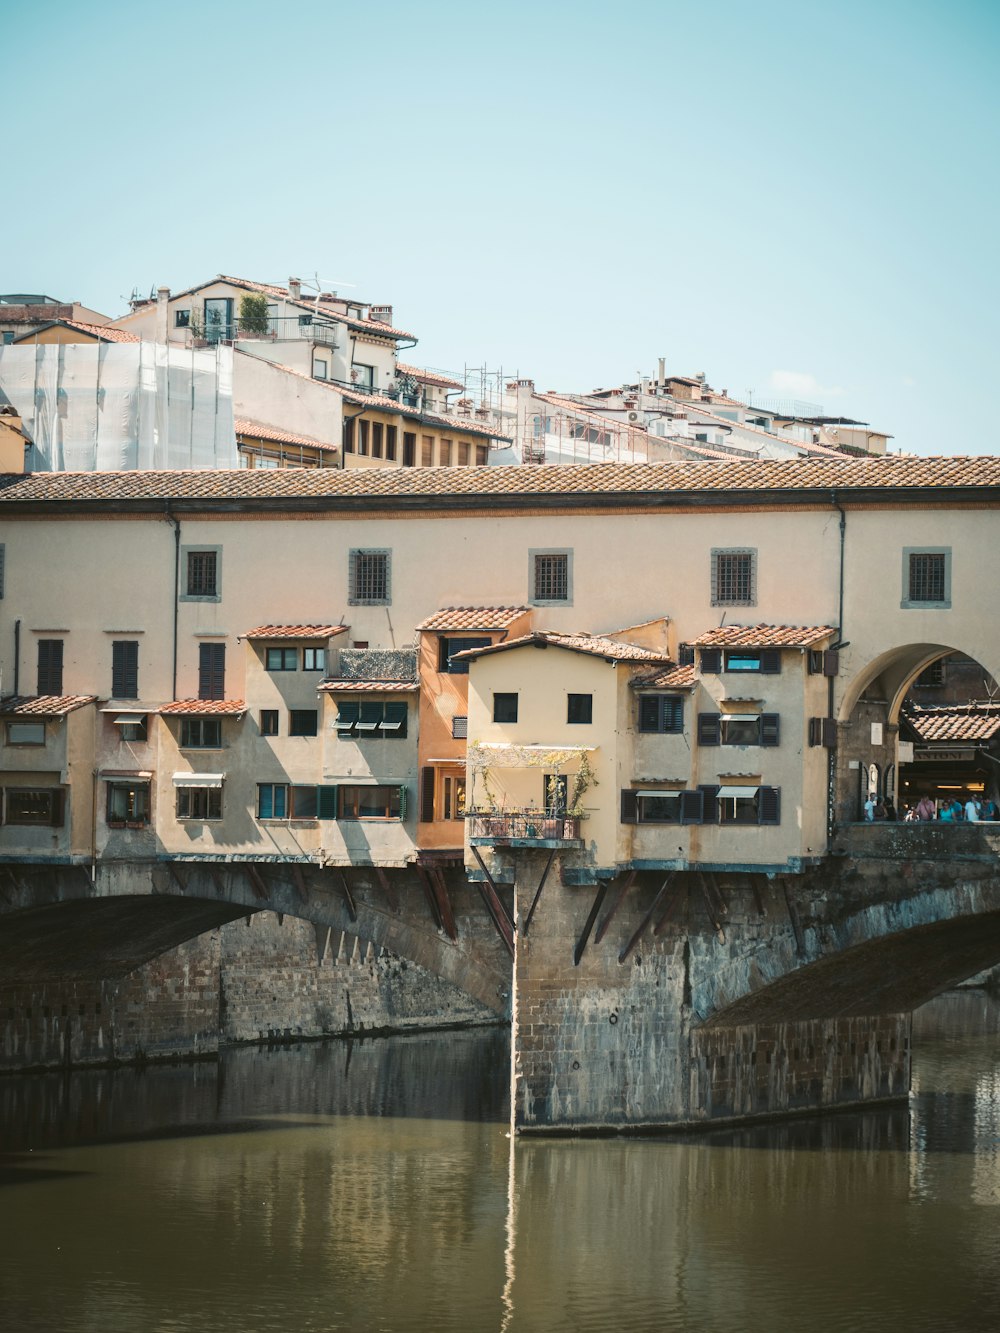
[603,1045]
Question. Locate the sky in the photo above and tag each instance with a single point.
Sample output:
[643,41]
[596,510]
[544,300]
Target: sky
[798,199]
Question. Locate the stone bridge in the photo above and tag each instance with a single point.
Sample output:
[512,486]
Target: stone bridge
[661,999]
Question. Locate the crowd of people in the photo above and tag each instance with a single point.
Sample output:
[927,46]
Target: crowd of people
[949,810]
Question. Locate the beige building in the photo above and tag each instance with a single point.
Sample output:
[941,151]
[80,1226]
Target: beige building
[663,665]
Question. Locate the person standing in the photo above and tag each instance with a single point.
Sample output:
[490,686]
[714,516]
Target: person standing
[925,809]
[971,810]
[870,807]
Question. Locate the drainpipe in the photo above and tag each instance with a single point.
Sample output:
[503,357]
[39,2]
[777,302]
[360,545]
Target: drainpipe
[831,776]
[17,656]
[177,590]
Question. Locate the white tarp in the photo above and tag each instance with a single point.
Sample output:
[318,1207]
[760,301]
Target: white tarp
[99,407]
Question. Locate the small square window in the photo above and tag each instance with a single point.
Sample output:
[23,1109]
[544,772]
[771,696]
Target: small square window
[302,722]
[313,659]
[551,578]
[369,578]
[734,578]
[50,666]
[201,574]
[201,733]
[281,659]
[927,578]
[128,803]
[661,713]
[460,728]
[199,802]
[25,733]
[182,319]
[269,722]
[505,708]
[272,800]
[580,708]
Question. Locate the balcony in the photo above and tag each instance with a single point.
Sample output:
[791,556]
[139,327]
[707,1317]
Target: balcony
[523,828]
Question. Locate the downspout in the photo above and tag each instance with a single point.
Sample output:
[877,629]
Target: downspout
[177,592]
[831,776]
[17,656]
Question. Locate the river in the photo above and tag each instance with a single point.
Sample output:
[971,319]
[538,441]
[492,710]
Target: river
[372,1186]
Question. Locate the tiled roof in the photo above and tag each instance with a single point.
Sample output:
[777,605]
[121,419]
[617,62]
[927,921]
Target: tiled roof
[348,685]
[453,425]
[594,644]
[99,331]
[259,431]
[969,722]
[295,631]
[204,708]
[670,678]
[473,617]
[429,377]
[321,308]
[763,636]
[43,705]
[795,478]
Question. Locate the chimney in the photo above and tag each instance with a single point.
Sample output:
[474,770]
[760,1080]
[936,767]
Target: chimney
[295,289]
[162,297]
[662,364]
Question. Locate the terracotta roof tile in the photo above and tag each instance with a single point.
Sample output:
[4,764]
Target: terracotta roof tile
[969,722]
[43,705]
[594,644]
[99,331]
[473,617]
[763,636]
[797,478]
[429,377]
[295,631]
[259,431]
[348,685]
[670,678]
[204,708]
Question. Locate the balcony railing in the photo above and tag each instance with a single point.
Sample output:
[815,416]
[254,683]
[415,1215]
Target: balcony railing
[523,826]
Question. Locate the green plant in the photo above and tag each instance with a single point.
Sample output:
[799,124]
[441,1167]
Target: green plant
[254,317]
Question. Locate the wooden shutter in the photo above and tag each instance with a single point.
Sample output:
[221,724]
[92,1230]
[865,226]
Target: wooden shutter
[709,804]
[711,661]
[831,662]
[326,802]
[769,805]
[427,794]
[815,731]
[823,731]
[402,802]
[770,662]
[709,729]
[770,729]
[125,669]
[211,671]
[50,666]
[649,712]
[685,655]
[692,804]
[630,807]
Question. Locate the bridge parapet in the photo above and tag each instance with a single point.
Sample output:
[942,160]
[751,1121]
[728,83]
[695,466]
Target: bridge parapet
[933,840]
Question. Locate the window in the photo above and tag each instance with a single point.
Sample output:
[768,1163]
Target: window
[933,676]
[349,435]
[580,708]
[362,374]
[765,660]
[390,443]
[279,800]
[369,578]
[302,722]
[272,800]
[482,455]
[409,448]
[737,807]
[658,807]
[34,805]
[463,453]
[706,805]
[372,802]
[734,578]
[460,727]
[125,669]
[313,659]
[505,708]
[50,666]
[211,671]
[199,802]
[128,803]
[281,659]
[453,796]
[203,576]
[377,437]
[25,733]
[551,578]
[182,319]
[363,436]
[269,722]
[7,337]
[738,728]
[448,647]
[427,451]
[201,733]
[927,577]
[444,453]
[372,719]
[132,727]
[556,793]
[320,369]
[661,713]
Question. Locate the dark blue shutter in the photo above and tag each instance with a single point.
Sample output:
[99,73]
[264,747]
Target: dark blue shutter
[709,729]
[692,805]
[212,671]
[630,808]
[769,805]
[770,662]
[770,728]
[125,669]
[711,661]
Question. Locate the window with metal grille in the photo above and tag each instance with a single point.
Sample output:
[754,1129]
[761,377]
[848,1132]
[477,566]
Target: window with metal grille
[125,669]
[460,728]
[550,577]
[734,578]
[933,676]
[50,666]
[927,577]
[211,671]
[202,574]
[369,578]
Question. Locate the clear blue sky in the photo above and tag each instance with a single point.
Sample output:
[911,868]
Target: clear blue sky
[793,197]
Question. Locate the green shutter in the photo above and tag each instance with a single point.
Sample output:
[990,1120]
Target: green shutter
[326,802]
[402,802]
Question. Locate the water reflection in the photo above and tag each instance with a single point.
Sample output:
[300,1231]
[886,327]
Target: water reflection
[323,1187]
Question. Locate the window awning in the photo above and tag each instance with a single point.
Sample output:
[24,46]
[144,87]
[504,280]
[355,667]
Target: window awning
[741,717]
[125,774]
[509,746]
[129,719]
[736,793]
[660,791]
[199,779]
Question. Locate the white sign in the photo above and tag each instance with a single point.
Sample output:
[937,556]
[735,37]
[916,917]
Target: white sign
[876,733]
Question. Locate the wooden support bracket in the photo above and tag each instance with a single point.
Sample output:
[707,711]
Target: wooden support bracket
[431,896]
[795,919]
[654,908]
[675,901]
[300,882]
[581,943]
[711,903]
[444,902]
[623,889]
[538,892]
[259,883]
[495,906]
[217,880]
[388,888]
[176,875]
[345,888]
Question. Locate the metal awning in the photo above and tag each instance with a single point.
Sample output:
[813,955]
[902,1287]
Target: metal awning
[199,779]
[736,793]
[129,719]
[660,791]
[540,749]
[125,774]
